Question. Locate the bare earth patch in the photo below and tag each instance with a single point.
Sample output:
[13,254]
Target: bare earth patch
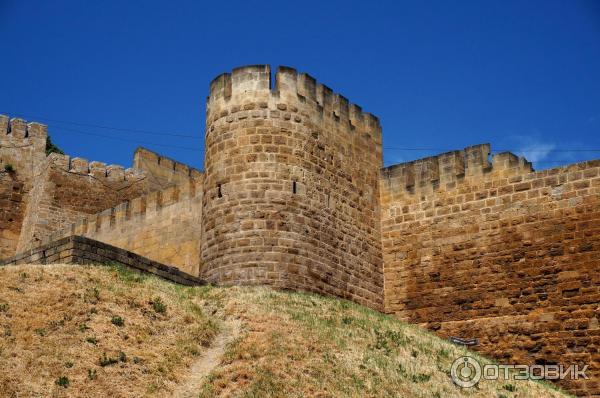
[210,359]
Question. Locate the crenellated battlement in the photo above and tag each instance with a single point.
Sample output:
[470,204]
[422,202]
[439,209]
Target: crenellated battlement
[249,92]
[145,159]
[19,131]
[98,170]
[22,146]
[140,207]
[447,169]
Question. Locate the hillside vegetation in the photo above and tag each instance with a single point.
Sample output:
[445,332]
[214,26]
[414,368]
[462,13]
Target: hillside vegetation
[96,331]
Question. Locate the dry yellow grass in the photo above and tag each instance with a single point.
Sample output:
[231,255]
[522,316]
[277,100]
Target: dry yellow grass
[60,324]
[305,345]
[291,344]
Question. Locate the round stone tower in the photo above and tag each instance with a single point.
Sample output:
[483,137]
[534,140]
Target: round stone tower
[291,187]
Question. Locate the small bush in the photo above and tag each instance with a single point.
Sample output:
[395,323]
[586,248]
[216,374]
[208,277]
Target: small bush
[69,364]
[444,353]
[41,332]
[9,168]
[92,295]
[51,148]
[158,305]
[4,307]
[381,342]
[62,381]
[57,323]
[402,370]
[421,378]
[92,340]
[107,361]
[92,374]
[510,387]
[117,321]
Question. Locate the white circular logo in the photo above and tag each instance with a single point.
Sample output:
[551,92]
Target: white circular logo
[465,372]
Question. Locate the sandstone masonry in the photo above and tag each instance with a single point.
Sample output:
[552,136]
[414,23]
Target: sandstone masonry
[497,252]
[294,195]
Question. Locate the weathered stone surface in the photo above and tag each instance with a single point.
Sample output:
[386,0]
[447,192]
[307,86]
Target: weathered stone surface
[502,254]
[163,226]
[81,250]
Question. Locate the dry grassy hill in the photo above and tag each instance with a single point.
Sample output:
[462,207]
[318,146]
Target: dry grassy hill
[106,331]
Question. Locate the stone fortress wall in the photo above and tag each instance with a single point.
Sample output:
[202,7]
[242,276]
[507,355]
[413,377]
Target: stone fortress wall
[68,188]
[163,226]
[497,252]
[45,197]
[294,195]
[161,171]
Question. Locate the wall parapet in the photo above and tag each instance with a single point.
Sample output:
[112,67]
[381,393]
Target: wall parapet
[99,170]
[17,130]
[82,250]
[23,146]
[144,158]
[445,170]
[140,207]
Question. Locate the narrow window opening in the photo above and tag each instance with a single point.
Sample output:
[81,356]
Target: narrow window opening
[219,193]
[294,187]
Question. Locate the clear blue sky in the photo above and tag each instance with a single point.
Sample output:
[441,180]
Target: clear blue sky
[522,75]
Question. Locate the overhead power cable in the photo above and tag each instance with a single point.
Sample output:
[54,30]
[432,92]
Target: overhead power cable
[133,141]
[172,134]
[494,150]
[43,118]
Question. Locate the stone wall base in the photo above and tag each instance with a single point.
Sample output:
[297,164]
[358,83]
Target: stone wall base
[81,250]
